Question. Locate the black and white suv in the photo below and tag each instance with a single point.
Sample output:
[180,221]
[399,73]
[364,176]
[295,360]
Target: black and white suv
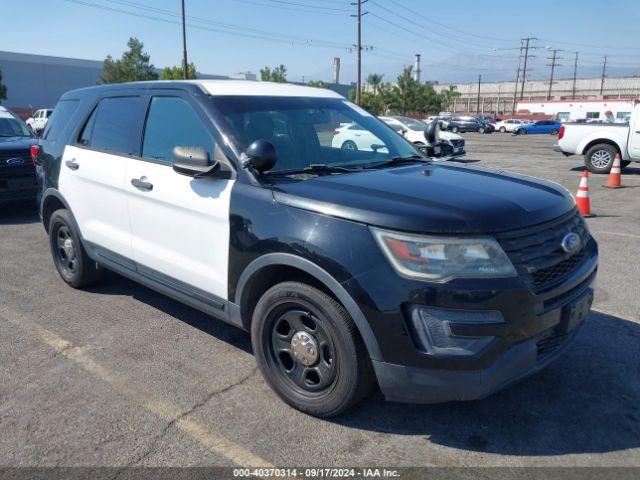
[349,267]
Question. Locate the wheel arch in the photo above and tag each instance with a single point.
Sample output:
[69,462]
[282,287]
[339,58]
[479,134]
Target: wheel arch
[53,200]
[597,141]
[268,270]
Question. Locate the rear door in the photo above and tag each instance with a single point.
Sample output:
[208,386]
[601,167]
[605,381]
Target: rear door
[634,135]
[180,224]
[92,174]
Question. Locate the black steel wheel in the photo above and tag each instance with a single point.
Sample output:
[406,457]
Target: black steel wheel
[69,256]
[309,350]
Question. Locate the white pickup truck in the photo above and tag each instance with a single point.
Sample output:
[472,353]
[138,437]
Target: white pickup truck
[600,142]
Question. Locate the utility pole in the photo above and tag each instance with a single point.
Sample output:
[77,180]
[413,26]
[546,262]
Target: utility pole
[185,64]
[575,76]
[526,58]
[479,83]
[515,87]
[359,16]
[553,68]
[604,71]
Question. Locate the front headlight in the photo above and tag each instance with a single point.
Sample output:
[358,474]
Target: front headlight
[441,258]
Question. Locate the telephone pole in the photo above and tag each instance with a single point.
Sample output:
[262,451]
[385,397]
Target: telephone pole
[359,16]
[515,87]
[575,76]
[185,64]
[526,58]
[479,83]
[604,72]
[553,66]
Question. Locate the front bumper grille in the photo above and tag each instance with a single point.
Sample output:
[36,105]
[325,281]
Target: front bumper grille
[457,143]
[551,342]
[537,254]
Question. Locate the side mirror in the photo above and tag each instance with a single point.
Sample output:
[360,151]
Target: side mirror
[193,161]
[432,132]
[261,156]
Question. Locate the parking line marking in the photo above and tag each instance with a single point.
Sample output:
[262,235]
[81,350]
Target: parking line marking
[168,412]
[606,232]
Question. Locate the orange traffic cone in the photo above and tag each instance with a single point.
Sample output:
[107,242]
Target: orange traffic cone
[615,176]
[582,197]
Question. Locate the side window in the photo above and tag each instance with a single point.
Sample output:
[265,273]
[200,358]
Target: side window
[172,122]
[85,135]
[110,126]
[59,119]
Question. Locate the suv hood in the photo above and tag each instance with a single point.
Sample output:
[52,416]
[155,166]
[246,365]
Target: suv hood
[434,198]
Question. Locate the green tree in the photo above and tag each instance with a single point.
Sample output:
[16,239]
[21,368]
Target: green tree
[3,89]
[375,81]
[317,84]
[175,73]
[449,95]
[407,94]
[133,66]
[277,74]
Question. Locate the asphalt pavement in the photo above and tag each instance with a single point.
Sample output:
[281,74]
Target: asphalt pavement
[118,375]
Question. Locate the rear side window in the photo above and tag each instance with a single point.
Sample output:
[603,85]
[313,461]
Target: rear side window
[111,124]
[172,122]
[60,118]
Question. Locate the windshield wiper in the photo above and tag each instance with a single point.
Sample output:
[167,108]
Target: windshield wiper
[315,168]
[399,161]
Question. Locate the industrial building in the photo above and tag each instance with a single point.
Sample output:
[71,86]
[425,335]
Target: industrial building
[499,96]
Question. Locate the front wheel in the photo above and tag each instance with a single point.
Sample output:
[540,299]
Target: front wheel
[481,130]
[455,129]
[309,350]
[599,158]
[503,130]
[553,132]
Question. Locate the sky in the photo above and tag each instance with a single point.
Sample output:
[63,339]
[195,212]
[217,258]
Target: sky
[457,40]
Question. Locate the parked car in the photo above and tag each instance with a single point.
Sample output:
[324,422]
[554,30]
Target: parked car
[509,124]
[353,136]
[443,120]
[17,172]
[490,119]
[39,120]
[469,124]
[599,143]
[551,127]
[436,281]
[413,130]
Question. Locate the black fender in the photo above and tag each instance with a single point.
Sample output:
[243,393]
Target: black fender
[287,259]
[46,195]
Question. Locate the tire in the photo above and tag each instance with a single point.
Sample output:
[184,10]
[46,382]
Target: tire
[455,129]
[553,132]
[503,130]
[349,145]
[599,158]
[341,373]
[522,132]
[69,256]
[481,130]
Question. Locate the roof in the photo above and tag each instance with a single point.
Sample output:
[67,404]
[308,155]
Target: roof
[270,89]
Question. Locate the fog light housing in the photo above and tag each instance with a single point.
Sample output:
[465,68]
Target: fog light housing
[458,333]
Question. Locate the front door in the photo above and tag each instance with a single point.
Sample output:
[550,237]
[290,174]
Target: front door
[179,224]
[92,174]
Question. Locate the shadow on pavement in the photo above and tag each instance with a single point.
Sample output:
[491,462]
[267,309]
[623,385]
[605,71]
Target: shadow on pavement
[625,171]
[18,213]
[587,401]
[114,284]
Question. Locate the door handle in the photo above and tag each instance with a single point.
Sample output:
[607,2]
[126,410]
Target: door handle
[142,184]
[72,164]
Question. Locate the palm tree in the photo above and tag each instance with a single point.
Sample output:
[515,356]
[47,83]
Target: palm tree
[449,94]
[375,80]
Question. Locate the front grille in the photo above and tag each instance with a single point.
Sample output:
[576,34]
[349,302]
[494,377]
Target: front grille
[24,169]
[537,254]
[550,342]
[457,143]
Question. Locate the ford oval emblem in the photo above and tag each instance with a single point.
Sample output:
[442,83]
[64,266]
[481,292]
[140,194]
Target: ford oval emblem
[15,161]
[571,243]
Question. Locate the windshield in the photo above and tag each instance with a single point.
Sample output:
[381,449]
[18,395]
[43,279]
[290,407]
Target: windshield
[413,124]
[311,131]
[12,127]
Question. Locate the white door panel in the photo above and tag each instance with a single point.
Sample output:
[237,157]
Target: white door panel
[95,194]
[181,227]
[634,137]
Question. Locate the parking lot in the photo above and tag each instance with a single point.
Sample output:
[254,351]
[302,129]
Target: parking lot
[120,375]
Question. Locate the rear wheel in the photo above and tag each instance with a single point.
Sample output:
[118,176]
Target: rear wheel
[69,256]
[599,158]
[309,350]
[349,145]
[481,130]
[503,130]
[455,129]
